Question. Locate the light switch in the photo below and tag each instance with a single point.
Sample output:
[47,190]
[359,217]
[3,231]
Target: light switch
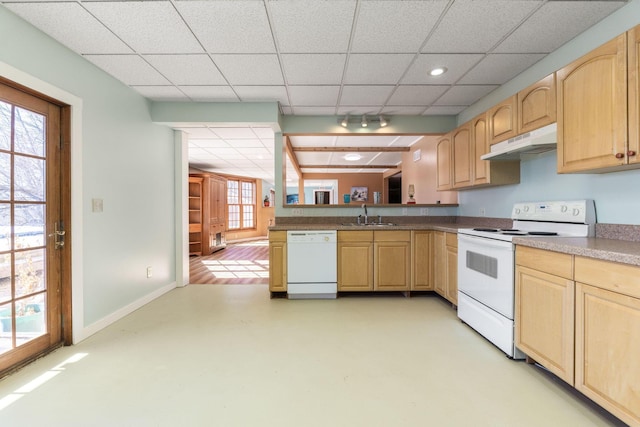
[96,205]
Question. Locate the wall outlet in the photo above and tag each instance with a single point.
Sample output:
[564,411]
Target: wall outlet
[96,205]
[482,212]
[404,211]
[298,212]
[149,272]
[424,211]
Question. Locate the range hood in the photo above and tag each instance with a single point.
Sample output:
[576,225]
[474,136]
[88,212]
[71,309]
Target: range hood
[534,142]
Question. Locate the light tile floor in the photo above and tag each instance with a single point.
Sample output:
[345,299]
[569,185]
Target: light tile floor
[230,356]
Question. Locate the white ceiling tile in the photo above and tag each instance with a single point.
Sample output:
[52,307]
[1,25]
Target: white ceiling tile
[394,27]
[241,144]
[301,69]
[264,133]
[218,28]
[129,69]
[403,110]
[313,140]
[464,95]
[445,110]
[187,69]
[208,143]
[457,65]
[146,26]
[230,133]
[358,110]
[365,95]
[69,23]
[262,93]
[313,111]
[365,140]
[311,26]
[555,23]
[209,93]
[287,111]
[471,26]
[250,69]
[253,152]
[196,132]
[376,68]
[416,95]
[314,96]
[500,68]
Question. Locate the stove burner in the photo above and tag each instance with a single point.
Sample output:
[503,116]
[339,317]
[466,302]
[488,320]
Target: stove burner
[514,233]
[543,233]
[488,230]
[509,229]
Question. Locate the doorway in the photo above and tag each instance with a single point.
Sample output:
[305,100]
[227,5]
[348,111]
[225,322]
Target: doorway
[394,188]
[34,224]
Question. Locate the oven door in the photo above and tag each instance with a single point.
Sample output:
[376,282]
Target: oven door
[485,272]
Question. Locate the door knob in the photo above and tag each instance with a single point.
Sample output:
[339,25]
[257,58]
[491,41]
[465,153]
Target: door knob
[619,155]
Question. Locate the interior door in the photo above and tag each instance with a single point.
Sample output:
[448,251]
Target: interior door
[31,230]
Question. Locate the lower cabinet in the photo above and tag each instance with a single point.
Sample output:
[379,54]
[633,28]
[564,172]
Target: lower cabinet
[277,261]
[392,260]
[608,336]
[422,260]
[544,309]
[445,249]
[355,260]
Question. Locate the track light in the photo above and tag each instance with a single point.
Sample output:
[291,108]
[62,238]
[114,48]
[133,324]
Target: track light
[345,122]
[383,122]
[364,123]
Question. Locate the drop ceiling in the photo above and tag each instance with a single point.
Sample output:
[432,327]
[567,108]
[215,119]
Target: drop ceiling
[313,57]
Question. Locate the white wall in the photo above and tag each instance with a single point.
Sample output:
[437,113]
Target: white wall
[118,155]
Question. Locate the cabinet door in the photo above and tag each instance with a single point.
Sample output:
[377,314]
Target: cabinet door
[355,266]
[278,261]
[392,270]
[633,60]
[544,320]
[502,120]
[480,146]
[592,110]
[422,260]
[607,349]
[443,150]
[462,152]
[451,291]
[537,105]
[440,263]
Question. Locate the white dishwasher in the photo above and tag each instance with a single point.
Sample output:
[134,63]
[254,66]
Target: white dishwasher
[312,264]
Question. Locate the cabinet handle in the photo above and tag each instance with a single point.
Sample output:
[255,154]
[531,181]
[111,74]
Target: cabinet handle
[631,153]
[619,155]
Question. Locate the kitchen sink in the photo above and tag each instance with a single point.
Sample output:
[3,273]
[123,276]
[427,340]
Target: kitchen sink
[369,224]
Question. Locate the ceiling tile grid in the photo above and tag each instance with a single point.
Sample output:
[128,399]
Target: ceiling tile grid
[313,57]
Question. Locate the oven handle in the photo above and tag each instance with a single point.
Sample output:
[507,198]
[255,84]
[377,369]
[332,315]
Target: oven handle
[484,242]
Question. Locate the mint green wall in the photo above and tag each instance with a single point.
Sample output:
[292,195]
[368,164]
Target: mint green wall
[126,160]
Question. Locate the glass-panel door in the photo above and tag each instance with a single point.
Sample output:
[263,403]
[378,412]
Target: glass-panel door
[31,231]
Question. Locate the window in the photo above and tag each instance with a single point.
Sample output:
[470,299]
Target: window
[241,199]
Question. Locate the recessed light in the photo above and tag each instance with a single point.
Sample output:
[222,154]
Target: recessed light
[352,157]
[437,71]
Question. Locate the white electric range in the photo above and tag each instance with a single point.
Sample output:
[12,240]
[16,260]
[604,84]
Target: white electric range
[486,263]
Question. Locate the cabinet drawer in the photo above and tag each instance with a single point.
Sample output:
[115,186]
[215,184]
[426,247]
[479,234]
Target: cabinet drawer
[355,236]
[451,239]
[393,236]
[277,236]
[621,278]
[546,261]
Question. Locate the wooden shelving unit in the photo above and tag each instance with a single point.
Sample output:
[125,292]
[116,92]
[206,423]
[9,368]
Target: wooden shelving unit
[195,215]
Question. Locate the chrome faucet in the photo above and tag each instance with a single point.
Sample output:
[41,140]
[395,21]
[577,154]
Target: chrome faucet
[366,216]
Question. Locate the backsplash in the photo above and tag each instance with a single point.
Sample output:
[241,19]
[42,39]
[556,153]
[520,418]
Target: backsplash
[630,233]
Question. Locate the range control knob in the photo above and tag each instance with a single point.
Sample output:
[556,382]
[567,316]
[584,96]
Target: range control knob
[517,210]
[563,208]
[526,208]
[576,211]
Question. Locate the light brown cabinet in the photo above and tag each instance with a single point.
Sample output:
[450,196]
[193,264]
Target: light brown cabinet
[422,260]
[592,110]
[439,262]
[392,260]
[502,119]
[544,309]
[462,157]
[443,154]
[537,105]
[195,216]
[277,261]
[355,260]
[445,248]
[608,336]
[633,73]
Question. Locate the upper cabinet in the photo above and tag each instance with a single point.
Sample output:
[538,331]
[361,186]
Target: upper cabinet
[592,110]
[503,120]
[443,153]
[462,154]
[537,105]
[633,61]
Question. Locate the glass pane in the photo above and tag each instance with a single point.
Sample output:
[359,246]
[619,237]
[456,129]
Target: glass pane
[28,179]
[247,216]
[30,318]
[6,341]
[5,227]
[5,177]
[5,277]
[29,225]
[232,192]
[234,216]
[29,271]
[5,126]
[29,132]
[247,193]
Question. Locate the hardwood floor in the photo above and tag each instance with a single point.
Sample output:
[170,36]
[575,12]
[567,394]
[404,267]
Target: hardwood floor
[238,264]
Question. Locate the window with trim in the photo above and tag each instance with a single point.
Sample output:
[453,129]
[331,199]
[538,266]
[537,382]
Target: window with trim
[241,202]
